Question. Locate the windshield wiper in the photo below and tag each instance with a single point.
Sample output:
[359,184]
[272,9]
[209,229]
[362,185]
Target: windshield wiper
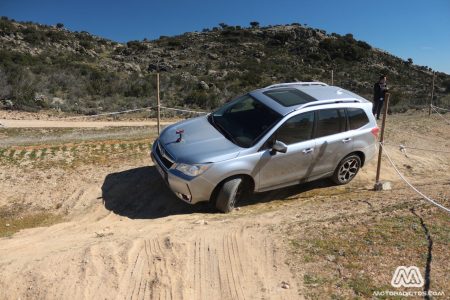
[222,130]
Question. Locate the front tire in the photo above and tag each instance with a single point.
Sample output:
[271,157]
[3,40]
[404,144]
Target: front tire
[347,169]
[228,194]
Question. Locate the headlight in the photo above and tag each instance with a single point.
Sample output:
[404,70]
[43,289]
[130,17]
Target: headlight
[192,170]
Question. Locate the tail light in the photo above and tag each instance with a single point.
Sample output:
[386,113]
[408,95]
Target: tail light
[375,131]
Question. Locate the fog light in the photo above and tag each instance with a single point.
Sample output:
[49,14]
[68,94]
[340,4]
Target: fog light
[184,197]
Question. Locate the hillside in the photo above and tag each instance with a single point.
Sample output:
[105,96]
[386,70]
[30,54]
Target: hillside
[50,67]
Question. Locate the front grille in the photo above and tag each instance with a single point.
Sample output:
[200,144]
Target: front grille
[164,156]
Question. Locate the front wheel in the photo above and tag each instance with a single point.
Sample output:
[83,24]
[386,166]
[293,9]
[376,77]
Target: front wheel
[346,169]
[229,193]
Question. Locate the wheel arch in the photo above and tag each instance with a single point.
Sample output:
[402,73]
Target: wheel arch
[361,155]
[246,177]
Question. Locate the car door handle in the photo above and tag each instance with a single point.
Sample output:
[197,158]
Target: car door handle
[346,140]
[308,150]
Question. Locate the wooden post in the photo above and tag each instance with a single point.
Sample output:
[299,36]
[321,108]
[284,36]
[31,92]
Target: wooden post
[332,77]
[158,102]
[380,149]
[432,95]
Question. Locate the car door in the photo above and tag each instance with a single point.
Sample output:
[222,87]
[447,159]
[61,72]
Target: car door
[278,169]
[333,140]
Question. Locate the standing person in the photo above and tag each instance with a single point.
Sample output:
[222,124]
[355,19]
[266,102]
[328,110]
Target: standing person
[379,93]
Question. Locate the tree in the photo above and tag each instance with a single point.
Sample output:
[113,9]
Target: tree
[59,25]
[349,36]
[254,24]
[447,86]
[223,25]
[409,61]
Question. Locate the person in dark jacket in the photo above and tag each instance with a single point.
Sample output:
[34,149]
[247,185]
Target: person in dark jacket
[379,93]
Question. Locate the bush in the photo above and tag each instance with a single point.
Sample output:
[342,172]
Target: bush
[33,36]
[56,36]
[364,45]
[86,44]
[136,46]
[6,25]
[344,48]
[254,24]
[446,85]
[174,43]
[202,99]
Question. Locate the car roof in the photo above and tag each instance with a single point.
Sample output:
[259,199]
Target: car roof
[304,94]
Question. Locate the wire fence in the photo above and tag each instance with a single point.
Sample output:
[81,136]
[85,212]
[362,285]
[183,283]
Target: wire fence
[403,148]
[440,108]
[175,111]
[440,115]
[429,199]
[111,113]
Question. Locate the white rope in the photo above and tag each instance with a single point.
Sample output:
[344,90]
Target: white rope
[410,185]
[402,147]
[440,115]
[183,110]
[111,113]
[444,109]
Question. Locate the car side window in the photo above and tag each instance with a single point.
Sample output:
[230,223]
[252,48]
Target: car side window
[330,121]
[297,129]
[357,118]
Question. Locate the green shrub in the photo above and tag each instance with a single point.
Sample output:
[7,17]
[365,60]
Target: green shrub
[202,99]
[86,44]
[33,36]
[56,36]
[345,48]
[136,46]
[6,25]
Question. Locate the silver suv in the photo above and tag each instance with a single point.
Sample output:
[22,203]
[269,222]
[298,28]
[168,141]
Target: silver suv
[273,137]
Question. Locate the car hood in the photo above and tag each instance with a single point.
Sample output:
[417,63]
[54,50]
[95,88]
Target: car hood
[201,142]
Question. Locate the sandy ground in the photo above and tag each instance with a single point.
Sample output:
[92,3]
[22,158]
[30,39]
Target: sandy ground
[129,237]
[124,235]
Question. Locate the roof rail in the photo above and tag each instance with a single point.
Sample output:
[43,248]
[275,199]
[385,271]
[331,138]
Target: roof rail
[302,83]
[323,102]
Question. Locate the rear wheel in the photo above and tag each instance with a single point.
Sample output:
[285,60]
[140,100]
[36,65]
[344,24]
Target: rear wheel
[229,193]
[347,169]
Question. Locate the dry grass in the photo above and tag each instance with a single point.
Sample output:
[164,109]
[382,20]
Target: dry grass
[354,256]
[16,218]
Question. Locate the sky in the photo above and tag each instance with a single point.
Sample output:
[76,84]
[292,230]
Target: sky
[408,29]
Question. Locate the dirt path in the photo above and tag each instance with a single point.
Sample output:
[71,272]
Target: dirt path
[7,123]
[105,255]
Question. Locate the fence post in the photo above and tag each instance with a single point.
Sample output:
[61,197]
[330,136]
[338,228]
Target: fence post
[158,102]
[432,95]
[377,186]
[332,77]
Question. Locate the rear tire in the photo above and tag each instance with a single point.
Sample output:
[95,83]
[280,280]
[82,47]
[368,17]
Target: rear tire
[228,194]
[347,169]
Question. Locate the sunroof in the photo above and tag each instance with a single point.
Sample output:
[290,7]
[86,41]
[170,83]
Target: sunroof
[289,96]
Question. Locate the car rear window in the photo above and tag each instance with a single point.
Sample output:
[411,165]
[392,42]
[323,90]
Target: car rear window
[357,118]
[289,97]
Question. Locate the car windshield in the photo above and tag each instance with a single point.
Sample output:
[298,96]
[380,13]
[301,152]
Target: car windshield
[244,120]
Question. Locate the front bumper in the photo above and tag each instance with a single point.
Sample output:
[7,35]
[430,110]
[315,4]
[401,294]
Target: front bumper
[188,189]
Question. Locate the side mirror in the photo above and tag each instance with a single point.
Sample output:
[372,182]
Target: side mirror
[279,147]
